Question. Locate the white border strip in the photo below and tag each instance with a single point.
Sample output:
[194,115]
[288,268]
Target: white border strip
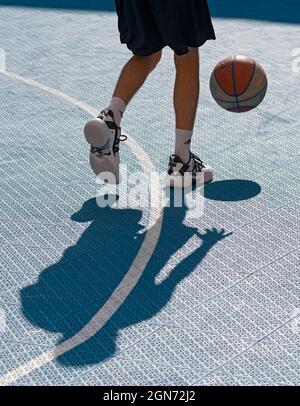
[134,273]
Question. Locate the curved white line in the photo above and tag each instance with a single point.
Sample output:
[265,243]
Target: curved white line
[134,273]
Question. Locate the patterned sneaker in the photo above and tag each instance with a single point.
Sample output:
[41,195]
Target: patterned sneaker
[181,175]
[104,137]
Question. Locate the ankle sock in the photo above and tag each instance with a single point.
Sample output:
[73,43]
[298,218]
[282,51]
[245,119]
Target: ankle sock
[118,107]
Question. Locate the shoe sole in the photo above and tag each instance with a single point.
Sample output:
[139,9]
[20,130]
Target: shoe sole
[103,167]
[96,132]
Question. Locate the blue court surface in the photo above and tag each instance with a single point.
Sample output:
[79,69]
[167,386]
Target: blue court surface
[146,295]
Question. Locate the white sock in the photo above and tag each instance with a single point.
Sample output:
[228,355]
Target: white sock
[118,107]
[183,144]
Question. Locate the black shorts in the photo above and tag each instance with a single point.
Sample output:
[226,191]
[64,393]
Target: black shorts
[147,26]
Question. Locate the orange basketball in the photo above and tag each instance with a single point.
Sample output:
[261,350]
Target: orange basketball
[238,84]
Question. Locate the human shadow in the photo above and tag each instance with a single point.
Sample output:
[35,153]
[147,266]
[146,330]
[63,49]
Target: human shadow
[69,293]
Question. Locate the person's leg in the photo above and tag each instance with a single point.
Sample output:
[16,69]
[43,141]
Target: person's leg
[132,77]
[186,98]
[103,133]
[134,74]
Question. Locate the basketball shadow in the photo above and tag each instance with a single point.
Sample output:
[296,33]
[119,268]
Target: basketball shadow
[68,294]
[232,190]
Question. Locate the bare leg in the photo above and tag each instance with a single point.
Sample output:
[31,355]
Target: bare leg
[186,98]
[134,74]
[102,133]
[186,90]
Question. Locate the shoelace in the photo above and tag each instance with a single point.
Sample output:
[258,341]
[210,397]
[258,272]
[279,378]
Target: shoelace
[198,163]
[104,113]
[117,142]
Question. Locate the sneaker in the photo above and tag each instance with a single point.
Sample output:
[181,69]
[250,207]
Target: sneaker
[104,137]
[181,175]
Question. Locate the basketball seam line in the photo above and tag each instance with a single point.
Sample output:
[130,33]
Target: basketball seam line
[239,94]
[234,84]
[254,69]
[228,94]
[242,101]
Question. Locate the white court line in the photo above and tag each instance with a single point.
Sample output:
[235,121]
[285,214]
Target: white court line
[134,273]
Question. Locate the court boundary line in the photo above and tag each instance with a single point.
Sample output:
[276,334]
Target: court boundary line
[130,280]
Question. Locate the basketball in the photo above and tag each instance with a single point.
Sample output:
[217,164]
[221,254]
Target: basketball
[238,84]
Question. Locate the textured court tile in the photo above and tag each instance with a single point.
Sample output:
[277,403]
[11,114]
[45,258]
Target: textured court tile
[225,312]
[16,354]
[132,372]
[273,361]
[19,330]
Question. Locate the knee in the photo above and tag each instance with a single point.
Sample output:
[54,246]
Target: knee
[152,60]
[191,58]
